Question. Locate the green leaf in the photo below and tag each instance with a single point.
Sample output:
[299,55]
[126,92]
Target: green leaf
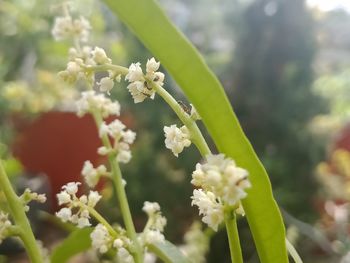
[77,242]
[168,252]
[149,23]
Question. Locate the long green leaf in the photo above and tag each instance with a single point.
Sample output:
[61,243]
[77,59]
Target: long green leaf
[168,252]
[77,242]
[146,19]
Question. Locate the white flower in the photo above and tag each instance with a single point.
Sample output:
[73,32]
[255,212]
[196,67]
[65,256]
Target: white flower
[129,136]
[135,73]
[155,225]
[140,86]
[150,207]
[91,101]
[73,71]
[29,196]
[62,28]
[221,176]
[158,78]
[81,28]
[101,239]
[5,223]
[118,243]
[151,72]
[100,57]
[71,188]
[152,65]
[65,214]
[124,256]
[138,91]
[63,198]
[153,236]
[92,175]
[122,140]
[124,156]
[103,150]
[106,84]
[93,198]
[209,207]
[83,222]
[65,27]
[176,139]
[77,208]
[150,258]
[196,243]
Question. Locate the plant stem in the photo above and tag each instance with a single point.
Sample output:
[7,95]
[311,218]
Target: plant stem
[196,135]
[233,237]
[293,252]
[120,191]
[101,219]
[19,216]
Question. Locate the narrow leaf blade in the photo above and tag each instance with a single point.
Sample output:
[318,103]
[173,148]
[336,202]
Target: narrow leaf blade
[168,252]
[77,242]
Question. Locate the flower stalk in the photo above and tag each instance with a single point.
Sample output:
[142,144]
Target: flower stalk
[23,230]
[117,179]
[233,236]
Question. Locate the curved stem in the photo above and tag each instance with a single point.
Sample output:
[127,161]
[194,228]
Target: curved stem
[293,253]
[19,216]
[120,191]
[233,237]
[101,219]
[196,135]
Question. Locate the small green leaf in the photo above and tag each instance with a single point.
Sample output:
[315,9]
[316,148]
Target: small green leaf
[168,252]
[77,242]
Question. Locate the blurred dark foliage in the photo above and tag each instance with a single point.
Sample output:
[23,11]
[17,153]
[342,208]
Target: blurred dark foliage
[271,93]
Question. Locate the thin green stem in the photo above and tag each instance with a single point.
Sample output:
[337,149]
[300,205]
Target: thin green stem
[196,135]
[19,216]
[293,252]
[101,219]
[121,194]
[233,237]
[116,68]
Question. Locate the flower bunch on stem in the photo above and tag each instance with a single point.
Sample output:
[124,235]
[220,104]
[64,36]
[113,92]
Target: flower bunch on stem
[220,184]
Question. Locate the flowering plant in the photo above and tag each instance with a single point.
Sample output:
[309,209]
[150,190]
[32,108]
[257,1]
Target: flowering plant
[224,187]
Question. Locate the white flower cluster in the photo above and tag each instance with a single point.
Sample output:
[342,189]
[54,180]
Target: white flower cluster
[196,243]
[5,223]
[210,207]
[140,84]
[92,175]
[80,60]
[102,241]
[122,140]
[66,27]
[222,183]
[91,101]
[29,196]
[153,232]
[76,210]
[176,139]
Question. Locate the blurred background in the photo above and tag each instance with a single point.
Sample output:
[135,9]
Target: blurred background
[285,66]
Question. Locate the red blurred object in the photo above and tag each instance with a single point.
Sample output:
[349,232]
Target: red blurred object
[58,144]
[342,140]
